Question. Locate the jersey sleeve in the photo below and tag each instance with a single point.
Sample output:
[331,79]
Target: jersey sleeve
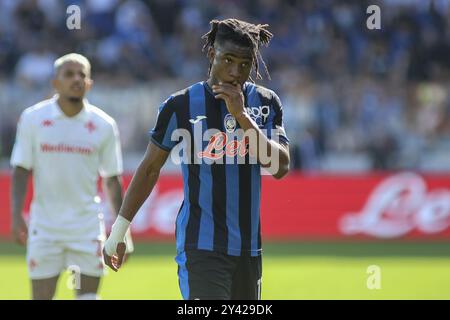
[166,124]
[22,154]
[111,154]
[275,125]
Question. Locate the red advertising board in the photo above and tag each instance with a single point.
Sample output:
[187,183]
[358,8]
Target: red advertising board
[374,206]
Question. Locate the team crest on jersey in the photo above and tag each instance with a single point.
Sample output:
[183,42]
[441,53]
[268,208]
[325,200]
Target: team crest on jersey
[229,123]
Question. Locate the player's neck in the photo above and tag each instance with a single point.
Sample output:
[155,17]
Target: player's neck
[212,81]
[70,108]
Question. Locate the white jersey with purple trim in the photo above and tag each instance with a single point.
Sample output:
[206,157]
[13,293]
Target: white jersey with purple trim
[66,156]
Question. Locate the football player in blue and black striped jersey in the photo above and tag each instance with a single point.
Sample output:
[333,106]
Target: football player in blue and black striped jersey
[226,129]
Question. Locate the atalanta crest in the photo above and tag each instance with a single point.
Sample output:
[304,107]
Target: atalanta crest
[229,123]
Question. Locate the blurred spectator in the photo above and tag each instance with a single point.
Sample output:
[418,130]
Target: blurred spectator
[35,68]
[380,97]
[100,16]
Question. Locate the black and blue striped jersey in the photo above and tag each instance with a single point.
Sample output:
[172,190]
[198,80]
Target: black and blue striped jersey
[221,207]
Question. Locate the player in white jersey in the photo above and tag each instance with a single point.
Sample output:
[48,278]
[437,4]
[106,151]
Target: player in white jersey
[66,143]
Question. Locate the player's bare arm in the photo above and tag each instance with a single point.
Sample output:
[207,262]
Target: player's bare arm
[143,181]
[113,189]
[141,186]
[234,99]
[18,191]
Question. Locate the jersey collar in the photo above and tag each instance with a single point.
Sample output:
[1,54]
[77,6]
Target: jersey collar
[56,111]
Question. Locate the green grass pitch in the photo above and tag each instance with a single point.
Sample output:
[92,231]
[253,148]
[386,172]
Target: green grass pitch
[302,270]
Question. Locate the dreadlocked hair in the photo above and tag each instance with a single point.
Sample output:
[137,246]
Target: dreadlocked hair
[242,33]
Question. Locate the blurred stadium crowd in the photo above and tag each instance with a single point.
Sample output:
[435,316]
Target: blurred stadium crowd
[354,99]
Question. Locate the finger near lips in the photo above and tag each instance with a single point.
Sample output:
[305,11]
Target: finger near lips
[229,84]
[225,88]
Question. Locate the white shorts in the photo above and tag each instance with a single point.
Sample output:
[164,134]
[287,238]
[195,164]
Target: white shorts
[48,258]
